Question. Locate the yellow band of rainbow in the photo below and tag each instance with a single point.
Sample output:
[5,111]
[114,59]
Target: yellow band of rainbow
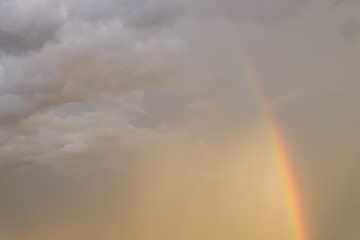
[277,143]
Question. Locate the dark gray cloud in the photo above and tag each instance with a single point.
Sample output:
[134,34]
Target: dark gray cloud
[339,2]
[138,14]
[264,11]
[8,168]
[125,119]
[158,13]
[103,61]
[28,25]
[351,28]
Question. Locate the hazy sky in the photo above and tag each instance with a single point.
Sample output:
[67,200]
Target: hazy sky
[132,119]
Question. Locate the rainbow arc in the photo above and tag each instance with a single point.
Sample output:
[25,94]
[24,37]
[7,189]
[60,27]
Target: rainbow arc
[277,144]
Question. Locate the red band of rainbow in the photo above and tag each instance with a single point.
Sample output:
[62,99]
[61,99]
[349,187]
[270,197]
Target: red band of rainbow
[277,144]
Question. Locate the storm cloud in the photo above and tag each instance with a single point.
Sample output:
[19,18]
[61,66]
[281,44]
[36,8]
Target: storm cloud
[136,119]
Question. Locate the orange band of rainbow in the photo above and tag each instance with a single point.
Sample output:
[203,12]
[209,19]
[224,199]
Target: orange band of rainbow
[277,145]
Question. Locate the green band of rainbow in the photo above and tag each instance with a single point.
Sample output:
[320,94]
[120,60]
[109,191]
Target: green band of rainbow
[277,144]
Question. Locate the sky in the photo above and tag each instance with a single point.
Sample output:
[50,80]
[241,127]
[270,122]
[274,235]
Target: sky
[132,119]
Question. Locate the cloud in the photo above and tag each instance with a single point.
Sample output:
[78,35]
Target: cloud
[135,14]
[262,11]
[351,28]
[352,2]
[28,25]
[101,60]
[8,168]
[129,118]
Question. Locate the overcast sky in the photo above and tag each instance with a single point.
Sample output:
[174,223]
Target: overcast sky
[132,119]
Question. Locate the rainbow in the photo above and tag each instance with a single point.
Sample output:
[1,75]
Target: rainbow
[277,144]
